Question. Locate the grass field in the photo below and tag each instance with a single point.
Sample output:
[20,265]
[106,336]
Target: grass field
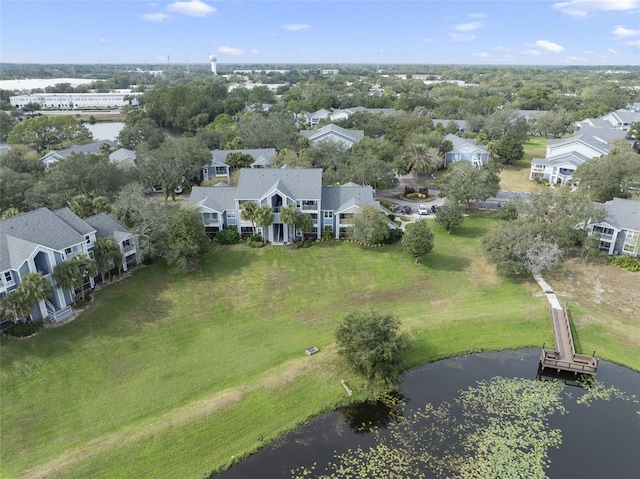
[177,375]
[515,177]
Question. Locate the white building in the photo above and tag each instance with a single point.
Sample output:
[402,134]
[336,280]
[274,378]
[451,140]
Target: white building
[77,101]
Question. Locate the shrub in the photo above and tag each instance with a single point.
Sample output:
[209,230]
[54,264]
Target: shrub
[327,233]
[626,262]
[424,191]
[408,190]
[387,204]
[20,330]
[255,241]
[395,235]
[307,243]
[415,195]
[228,235]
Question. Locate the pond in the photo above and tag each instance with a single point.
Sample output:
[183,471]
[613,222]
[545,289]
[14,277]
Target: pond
[598,439]
[107,130]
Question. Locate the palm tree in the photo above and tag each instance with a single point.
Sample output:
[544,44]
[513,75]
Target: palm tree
[417,159]
[86,267]
[66,275]
[15,305]
[288,215]
[264,217]
[36,288]
[249,212]
[303,222]
[107,252]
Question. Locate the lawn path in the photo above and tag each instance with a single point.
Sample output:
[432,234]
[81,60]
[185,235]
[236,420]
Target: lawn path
[280,375]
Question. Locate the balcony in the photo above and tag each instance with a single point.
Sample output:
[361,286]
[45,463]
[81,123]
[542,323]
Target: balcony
[211,222]
[128,249]
[309,207]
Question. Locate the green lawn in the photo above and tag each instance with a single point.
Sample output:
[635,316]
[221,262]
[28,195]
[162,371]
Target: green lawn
[175,376]
[515,177]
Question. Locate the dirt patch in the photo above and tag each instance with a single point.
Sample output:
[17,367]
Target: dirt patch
[610,294]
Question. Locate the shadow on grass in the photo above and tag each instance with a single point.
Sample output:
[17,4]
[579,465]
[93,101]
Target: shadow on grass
[445,262]
[470,232]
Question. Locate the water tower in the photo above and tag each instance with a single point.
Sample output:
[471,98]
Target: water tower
[213,61]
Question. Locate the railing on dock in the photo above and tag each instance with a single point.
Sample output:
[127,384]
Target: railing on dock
[564,356]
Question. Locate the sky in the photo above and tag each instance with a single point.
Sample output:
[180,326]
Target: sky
[476,32]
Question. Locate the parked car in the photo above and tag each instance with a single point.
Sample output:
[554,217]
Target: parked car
[423,210]
[405,210]
[434,208]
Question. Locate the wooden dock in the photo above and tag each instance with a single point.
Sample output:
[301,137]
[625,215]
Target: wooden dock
[564,357]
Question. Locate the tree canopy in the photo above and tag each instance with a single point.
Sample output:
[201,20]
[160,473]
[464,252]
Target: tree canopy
[614,175]
[465,182]
[418,239]
[186,240]
[48,133]
[370,225]
[541,232]
[371,343]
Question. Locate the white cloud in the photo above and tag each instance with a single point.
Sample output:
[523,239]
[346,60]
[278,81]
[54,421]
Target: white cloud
[549,46]
[467,27]
[582,8]
[427,40]
[573,60]
[482,55]
[460,37]
[155,17]
[531,52]
[103,40]
[477,15]
[231,51]
[193,8]
[622,32]
[254,51]
[296,27]
[634,43]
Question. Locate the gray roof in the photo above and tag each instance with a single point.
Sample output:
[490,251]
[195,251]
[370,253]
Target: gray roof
[258,154]
[220,197]
[462,124]
[353,135]
[627,116]
[356,109]
[597,144]
[297,183]
[341,198]
[605,134]
[73,220]
[122,154]
[458,142]
[594,122]
[574,158]
[322,113]
[623,214]
[107,226]
[20,235]
[88,148]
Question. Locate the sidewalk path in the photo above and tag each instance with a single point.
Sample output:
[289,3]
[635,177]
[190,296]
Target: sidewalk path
[548,291]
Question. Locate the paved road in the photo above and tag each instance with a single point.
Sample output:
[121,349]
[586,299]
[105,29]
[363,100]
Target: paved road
[393,195]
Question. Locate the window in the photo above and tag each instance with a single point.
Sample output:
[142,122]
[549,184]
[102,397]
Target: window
[8,279]
[67,251]
[328,214]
